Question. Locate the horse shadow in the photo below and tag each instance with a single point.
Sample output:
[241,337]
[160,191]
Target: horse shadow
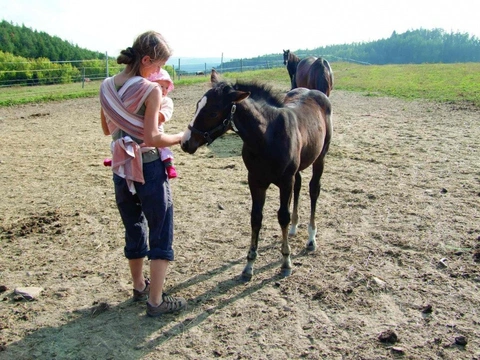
[228,145]
[87,333]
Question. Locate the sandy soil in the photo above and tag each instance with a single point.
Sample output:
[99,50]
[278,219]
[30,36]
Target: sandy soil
[396,273]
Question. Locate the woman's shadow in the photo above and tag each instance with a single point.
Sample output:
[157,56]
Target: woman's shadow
[124,331]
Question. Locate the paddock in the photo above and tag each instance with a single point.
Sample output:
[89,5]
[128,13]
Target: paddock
[398,242]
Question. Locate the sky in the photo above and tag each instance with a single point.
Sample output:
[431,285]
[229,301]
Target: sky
[237,29]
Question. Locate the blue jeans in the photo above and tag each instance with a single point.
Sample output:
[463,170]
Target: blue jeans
[148,212]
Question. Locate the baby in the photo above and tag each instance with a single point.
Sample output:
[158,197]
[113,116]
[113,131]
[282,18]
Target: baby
[163,79]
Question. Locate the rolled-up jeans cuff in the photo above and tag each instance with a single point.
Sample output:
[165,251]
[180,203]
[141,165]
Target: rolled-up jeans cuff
[131,255]
[159,254]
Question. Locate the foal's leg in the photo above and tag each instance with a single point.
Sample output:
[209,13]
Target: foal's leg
[284,220]
[258,195]
[296,196]
[314,188]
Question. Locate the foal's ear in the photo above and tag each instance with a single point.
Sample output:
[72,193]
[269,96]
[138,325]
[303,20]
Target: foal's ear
[214,77]
[238,96]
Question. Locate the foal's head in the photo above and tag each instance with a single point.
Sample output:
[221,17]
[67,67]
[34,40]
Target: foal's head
[213,115]
[215,111]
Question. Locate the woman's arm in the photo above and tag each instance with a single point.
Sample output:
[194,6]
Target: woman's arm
[105,129]
[152,136]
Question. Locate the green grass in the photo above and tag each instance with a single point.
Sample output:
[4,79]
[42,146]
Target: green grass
[34,94]
[454,83]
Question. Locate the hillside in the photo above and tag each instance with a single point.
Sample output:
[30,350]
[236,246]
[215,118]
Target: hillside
[32,44]
[412,47]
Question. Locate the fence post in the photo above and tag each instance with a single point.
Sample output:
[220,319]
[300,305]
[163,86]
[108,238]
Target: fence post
[179,75]
[83,77]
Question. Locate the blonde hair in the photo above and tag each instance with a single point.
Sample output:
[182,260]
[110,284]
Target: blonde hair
[149,43]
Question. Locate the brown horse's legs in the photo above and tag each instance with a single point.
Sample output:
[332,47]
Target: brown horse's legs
[284,220]
[314,187]
[258,201]
[294,82]
[296,197]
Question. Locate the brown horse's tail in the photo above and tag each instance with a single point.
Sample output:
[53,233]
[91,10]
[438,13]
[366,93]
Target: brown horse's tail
[322,76]
[330,72]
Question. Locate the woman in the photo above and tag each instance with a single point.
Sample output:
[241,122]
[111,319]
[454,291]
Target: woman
[130,107]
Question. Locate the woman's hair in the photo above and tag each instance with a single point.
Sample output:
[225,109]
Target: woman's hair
[149,43]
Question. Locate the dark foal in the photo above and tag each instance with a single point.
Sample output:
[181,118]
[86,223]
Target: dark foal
[281,137]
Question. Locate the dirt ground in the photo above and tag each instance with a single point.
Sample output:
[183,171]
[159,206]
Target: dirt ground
[396,273]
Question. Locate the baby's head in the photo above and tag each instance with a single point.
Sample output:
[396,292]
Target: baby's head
[163,79]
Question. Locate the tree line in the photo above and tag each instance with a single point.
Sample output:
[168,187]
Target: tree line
[32,44]
[412,47]
[29,57]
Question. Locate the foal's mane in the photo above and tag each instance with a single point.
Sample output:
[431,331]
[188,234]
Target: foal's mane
[260,92]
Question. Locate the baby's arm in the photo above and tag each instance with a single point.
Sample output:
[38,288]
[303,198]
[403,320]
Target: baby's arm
[166,110]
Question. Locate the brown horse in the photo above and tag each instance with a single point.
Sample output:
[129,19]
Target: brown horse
[314,73]
[291,60]
[282,135]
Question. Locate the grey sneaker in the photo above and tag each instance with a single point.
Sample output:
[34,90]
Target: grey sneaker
[169,304]
[142,295]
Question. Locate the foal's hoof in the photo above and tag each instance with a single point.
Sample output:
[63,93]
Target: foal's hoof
[311,246]
[286,272]
[246,277]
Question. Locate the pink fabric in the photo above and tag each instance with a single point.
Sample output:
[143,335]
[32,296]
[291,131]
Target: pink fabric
[162,75]
[125,160]
[120,108]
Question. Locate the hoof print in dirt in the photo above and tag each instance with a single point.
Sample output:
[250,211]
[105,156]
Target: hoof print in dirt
[397,350]
[461,340]
[427,309]
[388,336]
[99,308]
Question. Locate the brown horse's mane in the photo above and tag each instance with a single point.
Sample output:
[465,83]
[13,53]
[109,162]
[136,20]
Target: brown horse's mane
[293,58]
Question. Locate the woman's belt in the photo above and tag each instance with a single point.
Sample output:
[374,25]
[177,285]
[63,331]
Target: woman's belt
[150,156]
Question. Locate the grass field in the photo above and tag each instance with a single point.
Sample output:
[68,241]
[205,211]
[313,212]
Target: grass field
[454,83]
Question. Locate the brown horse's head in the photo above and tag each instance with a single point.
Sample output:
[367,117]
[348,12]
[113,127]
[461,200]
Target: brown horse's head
[285,56]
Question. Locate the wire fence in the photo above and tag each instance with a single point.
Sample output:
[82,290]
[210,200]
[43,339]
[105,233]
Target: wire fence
[81,71]
[20,80]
